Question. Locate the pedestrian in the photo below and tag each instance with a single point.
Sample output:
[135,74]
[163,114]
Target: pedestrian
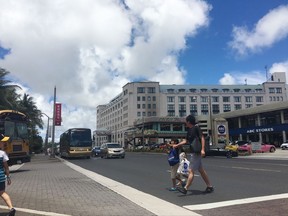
[174,165]
[196,158]
[4,170]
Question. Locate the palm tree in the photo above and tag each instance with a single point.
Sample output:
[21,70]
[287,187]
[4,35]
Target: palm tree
[28,106]
[8,95]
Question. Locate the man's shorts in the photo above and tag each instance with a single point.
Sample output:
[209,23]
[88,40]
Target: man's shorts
[2,186]
[195,162]
[174,171]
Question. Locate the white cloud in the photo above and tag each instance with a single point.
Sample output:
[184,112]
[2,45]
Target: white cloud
[249,78]
[280,67]
[270,29]
[89,49]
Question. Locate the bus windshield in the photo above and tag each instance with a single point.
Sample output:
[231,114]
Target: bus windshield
[16,129]
[80,138]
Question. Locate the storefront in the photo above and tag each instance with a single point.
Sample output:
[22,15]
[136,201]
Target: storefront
[263,124]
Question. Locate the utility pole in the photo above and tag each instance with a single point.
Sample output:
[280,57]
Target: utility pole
[53,126]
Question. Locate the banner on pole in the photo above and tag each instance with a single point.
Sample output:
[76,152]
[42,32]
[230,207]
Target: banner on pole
[57,114]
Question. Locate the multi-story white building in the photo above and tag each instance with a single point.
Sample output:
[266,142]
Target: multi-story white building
[142,102]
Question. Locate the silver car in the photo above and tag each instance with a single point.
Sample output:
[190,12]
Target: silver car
[110,150]
[284,146]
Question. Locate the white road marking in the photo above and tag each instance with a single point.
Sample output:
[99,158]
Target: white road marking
[31,211]
[169,171]
[151,203]
[16,167]
[235,202]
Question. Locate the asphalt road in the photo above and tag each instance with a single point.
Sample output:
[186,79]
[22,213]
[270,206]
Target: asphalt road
[233,179]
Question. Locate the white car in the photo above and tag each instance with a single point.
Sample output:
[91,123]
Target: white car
[284,146]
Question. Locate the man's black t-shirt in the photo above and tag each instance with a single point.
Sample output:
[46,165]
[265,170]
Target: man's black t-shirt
[193,132]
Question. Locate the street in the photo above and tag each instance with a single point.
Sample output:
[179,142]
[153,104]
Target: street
[233,179]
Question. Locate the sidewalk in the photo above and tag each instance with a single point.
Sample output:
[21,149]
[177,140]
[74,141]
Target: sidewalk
[49,187]
[279,154]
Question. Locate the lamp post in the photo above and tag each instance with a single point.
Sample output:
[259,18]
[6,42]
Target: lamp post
[47,132]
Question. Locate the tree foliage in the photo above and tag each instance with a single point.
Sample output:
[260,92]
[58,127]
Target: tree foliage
[9,99]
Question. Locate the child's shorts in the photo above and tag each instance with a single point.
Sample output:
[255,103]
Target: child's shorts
[174,171]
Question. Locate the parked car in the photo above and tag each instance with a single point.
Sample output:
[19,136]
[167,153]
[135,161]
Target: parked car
[266,148]
[110,150]
[95,151]
[221,152]
[243,146]
[284,146]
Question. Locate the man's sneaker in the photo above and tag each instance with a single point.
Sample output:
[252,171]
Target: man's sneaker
[209,190]
[182,190]
[172,189]
[12,212]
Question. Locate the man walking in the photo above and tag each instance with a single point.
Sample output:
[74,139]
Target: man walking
[4,174]
[194,132]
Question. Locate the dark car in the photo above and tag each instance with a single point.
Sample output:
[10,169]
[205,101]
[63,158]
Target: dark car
[221,152]
[95,151]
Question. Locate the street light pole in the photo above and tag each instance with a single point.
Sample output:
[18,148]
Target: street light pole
[47,132]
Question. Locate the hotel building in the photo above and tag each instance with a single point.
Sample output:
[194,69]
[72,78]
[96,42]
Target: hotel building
[153,112]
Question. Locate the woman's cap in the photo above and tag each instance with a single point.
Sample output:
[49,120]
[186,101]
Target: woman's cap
[3,138]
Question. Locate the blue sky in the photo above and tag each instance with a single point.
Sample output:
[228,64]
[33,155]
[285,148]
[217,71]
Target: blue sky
[90,49]
[209,54]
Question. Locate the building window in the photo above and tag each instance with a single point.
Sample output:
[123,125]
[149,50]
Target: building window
[237,99]
[140,90]
[193,99]
[143,98]
[226,108]
[248,99]
[170,107]
[279,90]
[171,110]
[143,106]
[215,90]
[151,90]
[215,108]
[148,98]
[138,106]
[248,105]
[271,90]
[149,113]
[165,127]
[193,90]
[225,90]
[236,90]
[170,90]
[143,113]
[203,90]
[215,99]
[181,99]
[149,106]
[238,107]
[170,99]
[204,109]
[259,99]
[154,106]
[177,127]
[226,99]
[204,99]
[138,114]
[182,90]
[248,90]
[138,98]
[154,114]
[193,109]
[154,98]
